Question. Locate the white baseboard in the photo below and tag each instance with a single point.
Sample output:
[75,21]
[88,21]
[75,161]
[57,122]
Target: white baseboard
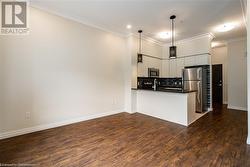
[210,109]
[248,139]
[236,108]
[23,131]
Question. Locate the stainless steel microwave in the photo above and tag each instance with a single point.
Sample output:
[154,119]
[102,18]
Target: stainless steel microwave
[153,72]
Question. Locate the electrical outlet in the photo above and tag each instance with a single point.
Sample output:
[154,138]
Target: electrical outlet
[27,115]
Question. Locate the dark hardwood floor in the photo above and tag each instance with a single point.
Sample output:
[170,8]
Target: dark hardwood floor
[124,140]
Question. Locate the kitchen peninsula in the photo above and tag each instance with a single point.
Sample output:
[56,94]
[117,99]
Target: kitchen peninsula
[172,104]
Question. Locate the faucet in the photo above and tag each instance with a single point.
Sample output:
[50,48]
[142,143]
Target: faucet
[155,84]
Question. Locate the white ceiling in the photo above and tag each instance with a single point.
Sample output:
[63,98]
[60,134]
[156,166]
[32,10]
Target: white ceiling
[194,17]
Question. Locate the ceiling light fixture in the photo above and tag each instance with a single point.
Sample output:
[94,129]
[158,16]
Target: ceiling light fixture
[172,49]
[129,26]
[225,27]
[139,54]
[164,35]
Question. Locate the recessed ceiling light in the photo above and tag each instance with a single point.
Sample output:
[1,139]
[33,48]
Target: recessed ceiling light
[129,26]
[164,35]
[225,27]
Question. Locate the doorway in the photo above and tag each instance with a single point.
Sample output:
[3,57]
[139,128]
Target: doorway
[217,83]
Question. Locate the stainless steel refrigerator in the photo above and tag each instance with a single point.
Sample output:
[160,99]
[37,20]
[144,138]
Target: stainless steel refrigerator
[195,79]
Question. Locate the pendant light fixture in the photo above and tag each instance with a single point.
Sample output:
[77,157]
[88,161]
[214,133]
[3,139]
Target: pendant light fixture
[172,49]
[139,55]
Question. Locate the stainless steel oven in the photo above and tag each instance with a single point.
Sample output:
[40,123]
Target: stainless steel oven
[153,72]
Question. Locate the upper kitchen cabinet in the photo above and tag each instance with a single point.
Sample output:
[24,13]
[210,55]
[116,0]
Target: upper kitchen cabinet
[172,68]
[190,52]
[189,61]
[165,68]
[197,60]
[203,59]
[198,45]
[180,64]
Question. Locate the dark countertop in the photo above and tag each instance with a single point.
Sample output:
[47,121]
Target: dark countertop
[166,90]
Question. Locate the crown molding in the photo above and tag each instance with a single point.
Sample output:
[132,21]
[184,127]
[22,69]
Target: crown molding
[76,20]
[243,4]
[210,35]
[146,38]
[236,39]
[220,46]
[149,39]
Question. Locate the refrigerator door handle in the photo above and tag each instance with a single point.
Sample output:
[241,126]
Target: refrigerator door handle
[198,93]
[199,71]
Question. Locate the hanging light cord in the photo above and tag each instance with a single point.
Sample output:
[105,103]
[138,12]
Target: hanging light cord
[140,42]
[172,32]
[172,19]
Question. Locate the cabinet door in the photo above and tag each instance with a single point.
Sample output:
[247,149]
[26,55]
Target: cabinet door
[190,61]
[165,69]
[180,66]
[172,68]
[202,59]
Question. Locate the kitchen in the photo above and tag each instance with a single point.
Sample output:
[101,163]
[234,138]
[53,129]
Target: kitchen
[162,85]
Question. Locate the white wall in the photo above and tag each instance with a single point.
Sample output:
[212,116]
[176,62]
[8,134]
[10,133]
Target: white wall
[61,71]
[248,68]
[237,74]
[219,56]
[1,87]
[130,74]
